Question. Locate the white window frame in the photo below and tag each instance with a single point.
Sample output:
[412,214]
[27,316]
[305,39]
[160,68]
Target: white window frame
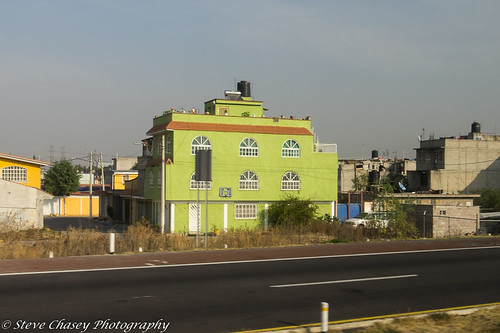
[15,173]
[245,211]
[200,143]
[290,148]
[249,148]
[248,181]
[194,184]
[290,181]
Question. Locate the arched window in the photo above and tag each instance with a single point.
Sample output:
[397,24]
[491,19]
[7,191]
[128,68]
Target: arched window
[194,184]
[200,143]
[248,181]
[249,147]
[290,149]
[15,174]
[290,181]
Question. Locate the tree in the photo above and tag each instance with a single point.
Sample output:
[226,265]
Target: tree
[360,182]
[489,199]
[291,211]
[62,179]
[399,215]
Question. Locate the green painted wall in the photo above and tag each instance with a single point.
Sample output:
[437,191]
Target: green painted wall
[317,171]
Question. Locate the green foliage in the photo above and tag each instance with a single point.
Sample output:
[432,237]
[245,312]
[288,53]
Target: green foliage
[489,199]
[393,179]
[400,215]
[291,211]
[360,183]
[62,178]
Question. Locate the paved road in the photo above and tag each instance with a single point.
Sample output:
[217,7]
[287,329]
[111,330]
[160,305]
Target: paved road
[237,295]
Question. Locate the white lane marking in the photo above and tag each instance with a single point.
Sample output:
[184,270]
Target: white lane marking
[343,281]
[247,261]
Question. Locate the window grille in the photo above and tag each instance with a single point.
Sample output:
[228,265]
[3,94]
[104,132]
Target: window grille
[248,181]
[245,211]
[290,181]
[194,184]
[249,147]
[290,149]
[15,174]
[200,143]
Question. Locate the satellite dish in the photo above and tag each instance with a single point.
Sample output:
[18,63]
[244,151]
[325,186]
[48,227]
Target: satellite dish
[419,138]
[401,186]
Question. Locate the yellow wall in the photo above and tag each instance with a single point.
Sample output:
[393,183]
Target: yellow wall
[118,180]
[80,206]
[33,171]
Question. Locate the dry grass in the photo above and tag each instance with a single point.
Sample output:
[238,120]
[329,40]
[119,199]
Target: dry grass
[36,243]
[481,321]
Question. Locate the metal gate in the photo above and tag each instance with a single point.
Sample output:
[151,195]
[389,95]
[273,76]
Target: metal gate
[194,217]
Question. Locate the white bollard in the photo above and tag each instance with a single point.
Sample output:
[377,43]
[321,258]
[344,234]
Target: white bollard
[324,317]
[112,243]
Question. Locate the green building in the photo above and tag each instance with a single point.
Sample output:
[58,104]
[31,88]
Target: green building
[256,160]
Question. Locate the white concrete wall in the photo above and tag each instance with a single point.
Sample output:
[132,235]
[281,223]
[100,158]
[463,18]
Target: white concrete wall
[21,207]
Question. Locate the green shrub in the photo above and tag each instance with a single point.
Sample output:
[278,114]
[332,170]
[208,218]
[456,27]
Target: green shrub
[292,212]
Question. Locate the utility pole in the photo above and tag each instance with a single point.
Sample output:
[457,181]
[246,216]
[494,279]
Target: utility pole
[90,186]
[102,173]
[162,187]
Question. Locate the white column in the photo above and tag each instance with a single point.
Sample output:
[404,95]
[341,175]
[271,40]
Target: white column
[225,217]
[172,217]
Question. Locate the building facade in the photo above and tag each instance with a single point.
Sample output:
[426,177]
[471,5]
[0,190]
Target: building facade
[256,160]
[443,215]
[464,164]
[21,200]
[22,170]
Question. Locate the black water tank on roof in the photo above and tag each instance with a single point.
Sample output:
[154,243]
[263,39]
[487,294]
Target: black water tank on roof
[476,127]
[244,88]
[374,154]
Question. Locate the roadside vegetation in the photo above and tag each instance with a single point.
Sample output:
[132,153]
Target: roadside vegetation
[480,321]
[291,221]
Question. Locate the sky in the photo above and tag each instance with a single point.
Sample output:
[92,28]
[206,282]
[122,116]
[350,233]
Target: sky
[91,75]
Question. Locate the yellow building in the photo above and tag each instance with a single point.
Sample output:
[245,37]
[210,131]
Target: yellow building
[22,170]
[120,178]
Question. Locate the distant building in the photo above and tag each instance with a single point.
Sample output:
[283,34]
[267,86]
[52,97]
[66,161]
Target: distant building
[123,188]
[464,164]
[120,171]
[373,169]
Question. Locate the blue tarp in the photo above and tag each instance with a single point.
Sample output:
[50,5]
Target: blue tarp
[342,211]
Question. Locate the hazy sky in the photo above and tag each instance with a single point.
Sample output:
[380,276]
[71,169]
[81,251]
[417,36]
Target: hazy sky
[91,75]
